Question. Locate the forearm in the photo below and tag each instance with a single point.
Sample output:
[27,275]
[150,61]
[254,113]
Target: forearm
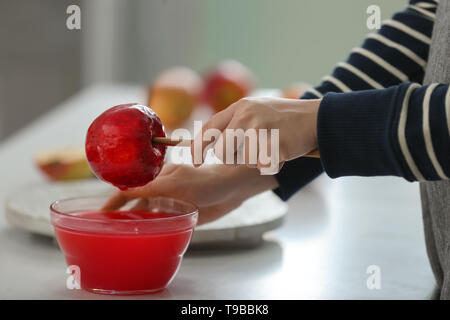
[401,131]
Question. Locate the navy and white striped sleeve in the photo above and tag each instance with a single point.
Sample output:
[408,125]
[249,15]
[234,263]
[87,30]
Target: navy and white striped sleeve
[400,131]
[397,53]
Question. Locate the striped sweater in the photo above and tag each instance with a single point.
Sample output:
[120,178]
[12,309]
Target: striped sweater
[375,118]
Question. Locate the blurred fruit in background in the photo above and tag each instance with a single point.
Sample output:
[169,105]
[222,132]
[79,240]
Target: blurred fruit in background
[61,164]
[174,94]
[295,90]
[226,83]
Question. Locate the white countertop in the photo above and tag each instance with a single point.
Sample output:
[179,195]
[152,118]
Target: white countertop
[334,230]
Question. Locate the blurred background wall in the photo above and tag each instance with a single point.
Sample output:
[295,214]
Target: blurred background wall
[39,60]
[43,63]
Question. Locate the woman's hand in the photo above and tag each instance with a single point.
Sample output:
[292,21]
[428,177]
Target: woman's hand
[295,119]
[215,189]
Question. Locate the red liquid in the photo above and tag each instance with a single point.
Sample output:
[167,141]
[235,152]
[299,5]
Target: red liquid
[111,261]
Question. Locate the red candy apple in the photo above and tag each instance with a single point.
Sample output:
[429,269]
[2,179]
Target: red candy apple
[119,146]
[227,83]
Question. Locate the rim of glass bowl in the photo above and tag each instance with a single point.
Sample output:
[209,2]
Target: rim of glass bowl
[192,212]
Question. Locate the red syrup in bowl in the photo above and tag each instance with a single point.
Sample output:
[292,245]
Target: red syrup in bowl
[124,252]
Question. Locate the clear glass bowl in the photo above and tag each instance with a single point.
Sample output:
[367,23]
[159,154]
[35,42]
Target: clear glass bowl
[129,254]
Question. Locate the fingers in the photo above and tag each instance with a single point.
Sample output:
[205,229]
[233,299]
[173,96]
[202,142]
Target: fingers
[167,169]
[155,188]
[239,145]
[251,152]
[120,199]
[115,202]
[268,157]
[209,134]
[230,145]
[142,204]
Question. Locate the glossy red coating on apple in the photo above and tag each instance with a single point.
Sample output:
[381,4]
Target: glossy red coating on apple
[119,146]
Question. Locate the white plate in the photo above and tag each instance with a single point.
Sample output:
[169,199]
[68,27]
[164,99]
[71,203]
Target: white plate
[28,208]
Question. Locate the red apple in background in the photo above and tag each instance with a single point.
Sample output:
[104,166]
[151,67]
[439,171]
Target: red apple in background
[119,146]
[295,90]
[174,94]
[228,82]
[61,164]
